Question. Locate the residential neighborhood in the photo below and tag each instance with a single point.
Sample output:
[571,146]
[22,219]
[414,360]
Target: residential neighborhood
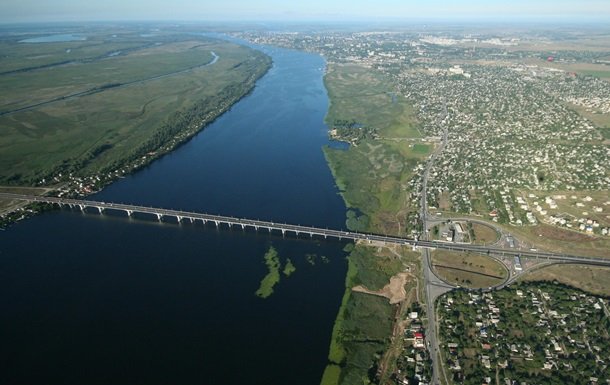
[413,366]
[537,333]
[515,122]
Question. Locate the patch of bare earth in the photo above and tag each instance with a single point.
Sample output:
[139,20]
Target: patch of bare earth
[394,291]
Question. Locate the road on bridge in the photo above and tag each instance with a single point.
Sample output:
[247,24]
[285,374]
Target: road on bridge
[299,229]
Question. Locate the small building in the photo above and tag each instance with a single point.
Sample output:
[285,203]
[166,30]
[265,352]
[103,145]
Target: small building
[518,266]
[419,341]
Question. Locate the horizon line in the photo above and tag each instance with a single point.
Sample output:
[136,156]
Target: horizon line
[563,20]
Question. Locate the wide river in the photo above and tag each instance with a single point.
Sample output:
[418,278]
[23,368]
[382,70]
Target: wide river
[104,299]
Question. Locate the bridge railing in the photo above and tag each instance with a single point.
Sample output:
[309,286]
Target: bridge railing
[285,227]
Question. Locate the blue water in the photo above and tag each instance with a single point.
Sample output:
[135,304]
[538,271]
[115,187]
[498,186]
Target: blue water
[338,145]
[53,38]
[109,299]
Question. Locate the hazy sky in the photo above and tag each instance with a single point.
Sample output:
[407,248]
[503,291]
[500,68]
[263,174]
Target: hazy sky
[285,10]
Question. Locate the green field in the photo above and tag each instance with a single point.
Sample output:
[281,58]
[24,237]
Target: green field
[100,42]
[32,87]
[468,270]
[592,279]
[373,174]
[364,324]
[372,178]
[120,126]
[596,73]
[368,98]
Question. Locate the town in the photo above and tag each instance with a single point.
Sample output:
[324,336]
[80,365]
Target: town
[540,333]
[519,144]
[520,130]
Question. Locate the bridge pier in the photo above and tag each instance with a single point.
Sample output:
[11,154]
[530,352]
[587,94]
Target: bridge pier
[179,218]
[497,252]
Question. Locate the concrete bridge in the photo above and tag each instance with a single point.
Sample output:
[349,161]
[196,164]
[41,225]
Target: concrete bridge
[284,228]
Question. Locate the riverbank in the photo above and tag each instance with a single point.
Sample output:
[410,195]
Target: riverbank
[114,159]
[364,323]
[85,118]
[373,177]
[137,300]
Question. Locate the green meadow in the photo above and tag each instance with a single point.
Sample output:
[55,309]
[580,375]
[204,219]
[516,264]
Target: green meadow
[114,126]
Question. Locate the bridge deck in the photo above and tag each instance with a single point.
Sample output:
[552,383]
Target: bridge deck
[298,229]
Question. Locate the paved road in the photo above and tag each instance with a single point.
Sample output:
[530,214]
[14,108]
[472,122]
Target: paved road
[433,286]
[232,221]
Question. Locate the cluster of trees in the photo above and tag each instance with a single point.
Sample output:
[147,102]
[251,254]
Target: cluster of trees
[352,131]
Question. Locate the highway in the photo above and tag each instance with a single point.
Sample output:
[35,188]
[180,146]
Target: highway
[433,286]
[299,229]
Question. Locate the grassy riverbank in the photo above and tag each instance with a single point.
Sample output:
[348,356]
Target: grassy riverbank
[101,135]
[363,326]
[373,176]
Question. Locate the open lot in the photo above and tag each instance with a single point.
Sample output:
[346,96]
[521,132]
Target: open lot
[484,235]
[595,280]
[468,270]
[553,238]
